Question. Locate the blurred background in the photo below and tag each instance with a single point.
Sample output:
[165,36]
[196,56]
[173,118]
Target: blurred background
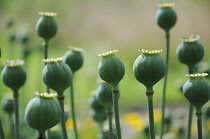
[98,27]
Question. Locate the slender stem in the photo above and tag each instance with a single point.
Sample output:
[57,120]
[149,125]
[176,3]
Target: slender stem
[109,113]
[11,126]
[190,113]
[45,54]
[100,127]
[1,130]
[189,124]
[115,94]
[73,110]
[164,85]
[41,136]
[16,128]
[63,125]
[151,114]
[199,125]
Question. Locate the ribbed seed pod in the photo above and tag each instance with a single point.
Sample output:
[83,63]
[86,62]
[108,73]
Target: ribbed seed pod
[46,26]
[13,74]
[197,90]
[57,75]
[111,68]
[42,112]
[104,94]
[74,58]
[149,68]
[166,17]
[190,51]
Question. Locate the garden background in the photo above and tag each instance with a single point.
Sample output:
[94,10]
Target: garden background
[98,27]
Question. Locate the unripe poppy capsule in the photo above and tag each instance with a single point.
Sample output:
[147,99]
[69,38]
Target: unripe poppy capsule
[94,104]
[98,116]
[13,74]
[7,105]
[42,112]
[166,17]
[111,68]
[104,94]
[197,90]
[46,26]
[190,51]
[57,75]
[149,68]
[73,58]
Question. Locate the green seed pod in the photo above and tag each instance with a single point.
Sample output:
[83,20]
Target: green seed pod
[166,17]
[42,112]
[74,58]
[111,68]
[7,105]
[57,75]
[98,116]
[94,104]
[190,51]
[197,90]
[13,74]
[149,68]
[104,94]
[46,26]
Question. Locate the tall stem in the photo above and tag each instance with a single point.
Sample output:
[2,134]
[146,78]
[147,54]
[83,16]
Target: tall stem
[164,85]
[15,105]
[63,125]
[41,136]
[1,131]
[115,94]
[45,55]
[109,113]
[151,114]
[199,124]
[189,123]
[11,126]
[190,113]
[73,110]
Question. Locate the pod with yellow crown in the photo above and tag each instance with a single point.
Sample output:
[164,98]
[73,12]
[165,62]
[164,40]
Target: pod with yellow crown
[149,68]
[57,75]
[197,90]
[42,112]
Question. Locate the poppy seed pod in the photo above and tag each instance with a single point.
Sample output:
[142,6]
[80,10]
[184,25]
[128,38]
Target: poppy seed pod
[13,74]
[190,51]
[42,112]
[111,68]
[149,68]
[73,58]
[94,104]
[57,75]
[98,116]
[46,26]
[7,105]
[104,94]
[197,90]
[166,17]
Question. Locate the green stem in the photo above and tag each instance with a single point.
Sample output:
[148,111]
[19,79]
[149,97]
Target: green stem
[73,110]
[11,126]
[63,125]
[41,136]
[1,131]
[45,54]
[164,85]
[109,113]
[190,113]
[199,124]
[151,115]
[115,94]
[16,127]
[189,124]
